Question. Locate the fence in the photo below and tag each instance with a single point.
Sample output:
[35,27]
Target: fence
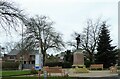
[28,66]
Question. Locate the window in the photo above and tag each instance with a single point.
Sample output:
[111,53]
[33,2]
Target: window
[33,62]
[12,57]
[32,57]
[24,62]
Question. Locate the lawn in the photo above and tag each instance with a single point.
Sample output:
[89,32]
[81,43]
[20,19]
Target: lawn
[37,78]
[15,73]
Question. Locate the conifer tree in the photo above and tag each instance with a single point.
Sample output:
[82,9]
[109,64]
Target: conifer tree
[106,53]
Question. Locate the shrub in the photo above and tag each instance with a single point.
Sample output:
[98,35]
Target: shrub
[66,65]
[63,64]
[10,65]
[33,72]
[87,63]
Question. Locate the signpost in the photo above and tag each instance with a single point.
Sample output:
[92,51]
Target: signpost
[39,62]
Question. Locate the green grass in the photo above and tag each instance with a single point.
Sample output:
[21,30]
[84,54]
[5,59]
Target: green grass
[37,78]
[17,74]
[14,73]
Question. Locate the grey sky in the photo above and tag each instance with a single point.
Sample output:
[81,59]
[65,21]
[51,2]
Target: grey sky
[71,15]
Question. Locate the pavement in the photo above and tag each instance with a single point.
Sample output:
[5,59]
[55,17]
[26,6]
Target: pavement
[101,73]
[92,73]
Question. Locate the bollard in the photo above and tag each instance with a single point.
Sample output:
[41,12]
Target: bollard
[39,72]
[45,74]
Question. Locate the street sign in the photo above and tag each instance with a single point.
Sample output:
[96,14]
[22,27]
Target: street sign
[38,62]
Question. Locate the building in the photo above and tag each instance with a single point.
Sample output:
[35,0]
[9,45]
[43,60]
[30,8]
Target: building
[27,58]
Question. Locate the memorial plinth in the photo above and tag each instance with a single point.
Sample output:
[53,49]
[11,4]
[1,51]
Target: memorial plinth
[78,58]
[78,62]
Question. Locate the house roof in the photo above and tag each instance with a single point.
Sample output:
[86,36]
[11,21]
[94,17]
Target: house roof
[15,52]
[34,52]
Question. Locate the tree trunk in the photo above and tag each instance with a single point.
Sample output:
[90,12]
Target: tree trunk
[92,59]
[42,51]
[43,58]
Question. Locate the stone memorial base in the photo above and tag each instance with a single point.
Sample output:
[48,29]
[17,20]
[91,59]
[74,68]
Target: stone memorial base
[79,69]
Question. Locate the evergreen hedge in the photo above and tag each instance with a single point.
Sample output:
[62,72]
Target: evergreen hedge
[63,64]
[10,65]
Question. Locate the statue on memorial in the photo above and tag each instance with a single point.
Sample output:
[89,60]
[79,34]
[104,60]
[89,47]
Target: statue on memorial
[78,40]
[78,59]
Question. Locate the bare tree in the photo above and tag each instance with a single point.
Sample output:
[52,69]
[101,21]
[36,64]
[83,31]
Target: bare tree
[89,38]
[9,46]
[10,16]
[40,30]
[15,45]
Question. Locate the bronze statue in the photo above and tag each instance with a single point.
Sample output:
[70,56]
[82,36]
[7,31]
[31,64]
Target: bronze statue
[78,40]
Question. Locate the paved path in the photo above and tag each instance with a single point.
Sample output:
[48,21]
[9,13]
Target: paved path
[102,73]
[93,73]
[96,73]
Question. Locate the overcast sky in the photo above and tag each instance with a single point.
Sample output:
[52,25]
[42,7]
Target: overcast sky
[71,15]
